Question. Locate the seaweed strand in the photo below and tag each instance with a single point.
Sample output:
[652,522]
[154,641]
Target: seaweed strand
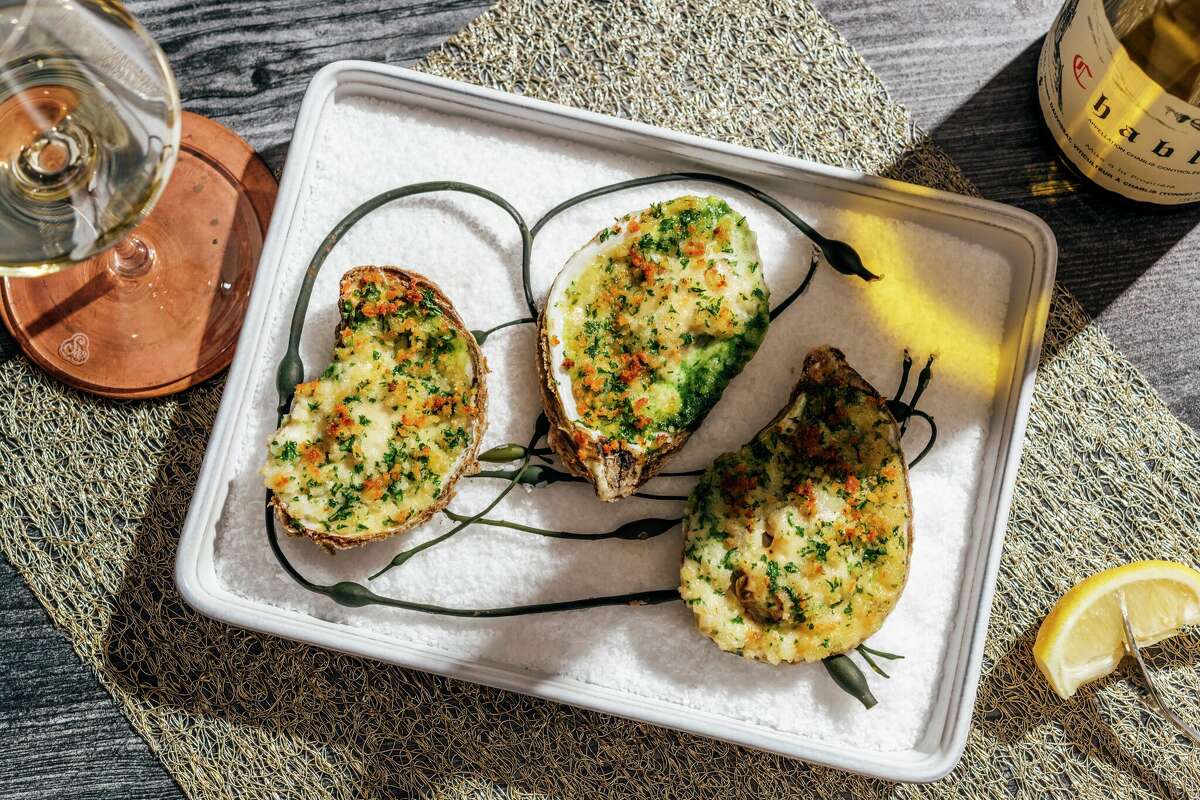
[355,595]
[923,378]
[482,336]
[849,678]
[539,430]
[933,432]
[904,411]
[799,290]
[291,366]
[637,530]
[687,473]
[653,496]
[879,653]
[866,655]
[537,475]
[839,255]
[905,369]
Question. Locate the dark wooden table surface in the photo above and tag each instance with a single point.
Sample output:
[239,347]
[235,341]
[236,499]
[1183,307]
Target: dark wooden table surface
[965,69]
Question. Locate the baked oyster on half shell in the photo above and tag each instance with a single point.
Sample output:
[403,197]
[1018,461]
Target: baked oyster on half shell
[643,329]
[797,546]
[374,446]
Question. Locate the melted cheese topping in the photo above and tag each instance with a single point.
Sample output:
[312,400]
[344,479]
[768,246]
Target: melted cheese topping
[796,546]
[669,307]
[367,445]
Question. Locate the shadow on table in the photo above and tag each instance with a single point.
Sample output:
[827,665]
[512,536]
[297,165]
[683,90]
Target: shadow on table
[998,139]
[262,709]
[8,346]
[1015,703]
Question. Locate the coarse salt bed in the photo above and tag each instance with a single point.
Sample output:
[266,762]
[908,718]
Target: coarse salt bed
[939,294]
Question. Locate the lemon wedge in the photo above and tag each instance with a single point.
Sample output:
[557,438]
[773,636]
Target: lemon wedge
[1083,638]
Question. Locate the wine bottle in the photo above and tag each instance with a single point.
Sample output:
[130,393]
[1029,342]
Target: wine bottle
[1119,87]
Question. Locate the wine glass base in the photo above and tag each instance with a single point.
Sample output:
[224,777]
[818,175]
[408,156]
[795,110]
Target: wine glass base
[176,325]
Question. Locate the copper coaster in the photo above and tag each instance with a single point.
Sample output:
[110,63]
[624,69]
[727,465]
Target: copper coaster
[177,325]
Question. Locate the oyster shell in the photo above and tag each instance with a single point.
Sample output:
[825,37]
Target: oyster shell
[797,546]
[374,446]
[643,329]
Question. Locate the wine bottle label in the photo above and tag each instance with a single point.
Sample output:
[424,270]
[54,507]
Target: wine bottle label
[1115,124]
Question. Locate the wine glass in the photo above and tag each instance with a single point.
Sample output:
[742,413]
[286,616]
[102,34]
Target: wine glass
[160,214]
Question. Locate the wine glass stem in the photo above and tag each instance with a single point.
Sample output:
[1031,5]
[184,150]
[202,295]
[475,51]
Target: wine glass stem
[131,258]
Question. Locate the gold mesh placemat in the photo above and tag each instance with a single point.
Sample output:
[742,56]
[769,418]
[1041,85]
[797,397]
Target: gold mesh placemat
[93,494]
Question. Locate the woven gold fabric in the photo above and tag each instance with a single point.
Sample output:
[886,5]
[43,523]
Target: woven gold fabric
[93,494]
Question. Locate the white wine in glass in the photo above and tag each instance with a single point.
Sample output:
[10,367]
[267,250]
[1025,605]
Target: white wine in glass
[89,130]
[159,214]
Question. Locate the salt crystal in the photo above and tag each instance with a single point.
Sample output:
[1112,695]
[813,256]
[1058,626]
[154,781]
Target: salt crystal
[939,293]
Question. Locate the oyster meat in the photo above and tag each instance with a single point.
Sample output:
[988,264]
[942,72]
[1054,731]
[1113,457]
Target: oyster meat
[374,446]
[642,331]
[797,546]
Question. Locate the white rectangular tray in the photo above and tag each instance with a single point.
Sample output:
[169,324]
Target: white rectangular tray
[1021,240]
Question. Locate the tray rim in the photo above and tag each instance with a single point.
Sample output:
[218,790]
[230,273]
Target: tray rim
[979,578]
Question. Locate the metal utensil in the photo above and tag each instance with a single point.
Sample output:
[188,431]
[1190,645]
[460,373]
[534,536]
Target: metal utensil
[1131,647]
